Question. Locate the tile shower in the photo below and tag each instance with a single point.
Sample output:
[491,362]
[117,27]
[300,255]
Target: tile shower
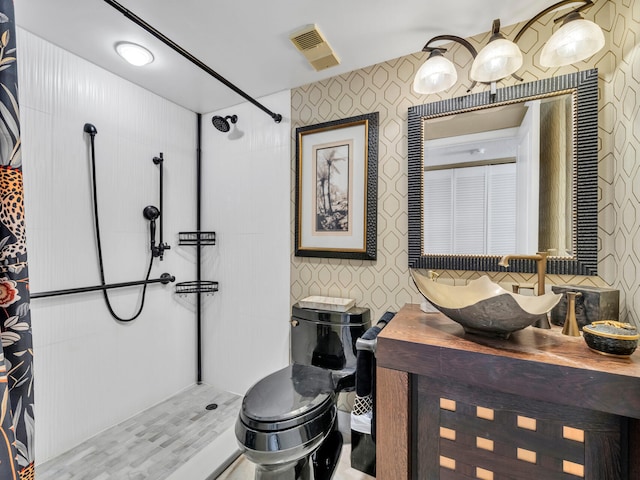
[94,375]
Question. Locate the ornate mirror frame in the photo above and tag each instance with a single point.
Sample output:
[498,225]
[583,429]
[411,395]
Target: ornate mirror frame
[584,85]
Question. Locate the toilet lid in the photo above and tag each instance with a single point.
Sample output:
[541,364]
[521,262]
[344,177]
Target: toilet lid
[288,397]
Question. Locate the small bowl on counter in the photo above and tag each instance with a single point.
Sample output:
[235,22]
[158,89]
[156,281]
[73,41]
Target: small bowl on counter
[609,337]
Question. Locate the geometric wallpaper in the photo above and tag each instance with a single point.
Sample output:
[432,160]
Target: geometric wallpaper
[385,284]
[619,204]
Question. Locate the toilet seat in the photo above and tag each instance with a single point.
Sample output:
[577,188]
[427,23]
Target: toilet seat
[287,398]
[286,415]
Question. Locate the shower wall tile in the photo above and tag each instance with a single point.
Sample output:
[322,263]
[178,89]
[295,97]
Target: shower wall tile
[91,371]
[246,202]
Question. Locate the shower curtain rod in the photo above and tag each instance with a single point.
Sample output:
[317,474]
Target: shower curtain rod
[141,23]
[164,279]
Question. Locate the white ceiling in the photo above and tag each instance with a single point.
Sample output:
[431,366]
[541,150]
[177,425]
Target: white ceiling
[247,41]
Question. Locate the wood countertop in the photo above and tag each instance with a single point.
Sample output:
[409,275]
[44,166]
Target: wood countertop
[535,363]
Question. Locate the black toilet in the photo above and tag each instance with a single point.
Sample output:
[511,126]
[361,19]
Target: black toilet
[287,425]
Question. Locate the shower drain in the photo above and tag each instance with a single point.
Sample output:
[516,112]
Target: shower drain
[211,406]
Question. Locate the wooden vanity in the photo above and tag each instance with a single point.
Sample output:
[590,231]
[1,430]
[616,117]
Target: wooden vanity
[539,405]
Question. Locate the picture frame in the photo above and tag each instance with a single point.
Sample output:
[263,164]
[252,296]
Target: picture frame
[337,188]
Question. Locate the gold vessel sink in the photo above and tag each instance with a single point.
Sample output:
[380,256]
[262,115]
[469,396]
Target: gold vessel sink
[483,307]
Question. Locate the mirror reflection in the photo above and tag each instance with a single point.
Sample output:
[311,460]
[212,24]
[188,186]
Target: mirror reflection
[498,180]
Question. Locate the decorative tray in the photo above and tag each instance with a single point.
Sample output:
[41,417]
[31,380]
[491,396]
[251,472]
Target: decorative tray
[333,304]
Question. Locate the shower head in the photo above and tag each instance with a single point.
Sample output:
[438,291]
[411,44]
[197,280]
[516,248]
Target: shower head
[222,123]
[90,128]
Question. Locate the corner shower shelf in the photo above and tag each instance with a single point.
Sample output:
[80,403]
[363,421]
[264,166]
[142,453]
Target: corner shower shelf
[202,286]
[197,238]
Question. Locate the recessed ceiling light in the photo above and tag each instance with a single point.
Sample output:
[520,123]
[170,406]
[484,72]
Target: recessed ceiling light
[134,54]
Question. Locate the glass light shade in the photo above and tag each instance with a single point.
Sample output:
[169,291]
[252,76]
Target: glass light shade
[574,41]
[498,59]
[435,75]
[134,54]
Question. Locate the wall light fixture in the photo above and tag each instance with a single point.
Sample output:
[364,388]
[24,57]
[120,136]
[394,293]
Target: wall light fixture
[498,59]
[438,73]
[576,40]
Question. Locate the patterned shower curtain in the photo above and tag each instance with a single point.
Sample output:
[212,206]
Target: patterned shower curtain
[16,354]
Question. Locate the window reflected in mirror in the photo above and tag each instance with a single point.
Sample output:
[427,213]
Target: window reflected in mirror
[500,179]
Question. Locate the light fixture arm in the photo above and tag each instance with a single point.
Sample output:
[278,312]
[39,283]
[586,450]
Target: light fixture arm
[495,30]
[587,4]
[451,38]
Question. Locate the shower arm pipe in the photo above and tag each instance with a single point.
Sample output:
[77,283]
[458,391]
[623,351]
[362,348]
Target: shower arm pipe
[170,43]
[164,279]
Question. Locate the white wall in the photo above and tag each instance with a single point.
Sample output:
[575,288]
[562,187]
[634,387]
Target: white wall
[246,198]
[90,371]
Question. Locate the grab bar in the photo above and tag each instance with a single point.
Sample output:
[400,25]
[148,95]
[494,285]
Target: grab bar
[164,279]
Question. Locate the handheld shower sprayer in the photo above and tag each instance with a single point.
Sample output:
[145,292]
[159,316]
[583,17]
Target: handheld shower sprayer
[151,213]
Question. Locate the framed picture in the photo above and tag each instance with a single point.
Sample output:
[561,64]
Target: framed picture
[337,188]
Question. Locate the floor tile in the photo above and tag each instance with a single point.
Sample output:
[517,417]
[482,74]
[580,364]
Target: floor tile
[152,444]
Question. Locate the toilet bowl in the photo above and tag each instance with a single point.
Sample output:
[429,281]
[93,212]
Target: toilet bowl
[287,425]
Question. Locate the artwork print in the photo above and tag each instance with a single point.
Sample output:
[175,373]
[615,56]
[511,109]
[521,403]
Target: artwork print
[333,177]
[336,188]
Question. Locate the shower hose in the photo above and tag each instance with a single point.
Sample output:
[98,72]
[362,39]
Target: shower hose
[99,245]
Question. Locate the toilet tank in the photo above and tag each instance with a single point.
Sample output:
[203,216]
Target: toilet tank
[327,339]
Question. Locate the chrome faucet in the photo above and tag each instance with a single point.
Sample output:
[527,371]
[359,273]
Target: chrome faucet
[541,267]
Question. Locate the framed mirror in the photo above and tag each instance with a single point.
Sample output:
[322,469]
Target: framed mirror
[514,172]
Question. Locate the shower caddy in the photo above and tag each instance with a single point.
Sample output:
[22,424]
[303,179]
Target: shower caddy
[197,239]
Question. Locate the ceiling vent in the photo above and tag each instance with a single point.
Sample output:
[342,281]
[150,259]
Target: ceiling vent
[314,47]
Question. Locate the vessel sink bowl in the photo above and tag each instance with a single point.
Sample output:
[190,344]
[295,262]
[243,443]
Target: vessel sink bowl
[483,307]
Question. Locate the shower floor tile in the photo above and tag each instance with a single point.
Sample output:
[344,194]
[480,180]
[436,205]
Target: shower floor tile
[150,445]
